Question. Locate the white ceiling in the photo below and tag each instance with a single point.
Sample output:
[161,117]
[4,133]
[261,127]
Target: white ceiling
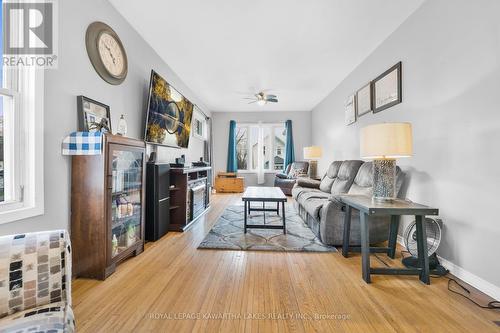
[301,49]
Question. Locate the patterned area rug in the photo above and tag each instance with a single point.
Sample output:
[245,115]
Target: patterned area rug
[227,233]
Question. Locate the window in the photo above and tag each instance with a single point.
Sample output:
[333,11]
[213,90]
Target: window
[279,146]
[242,148]
[273,146]
[21,141]
[9,130]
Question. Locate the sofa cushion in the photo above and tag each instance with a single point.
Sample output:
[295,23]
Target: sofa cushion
[313,206]
[297,191]
[363,183]
[317,194]
[345,176]
[329,177]
[305,192]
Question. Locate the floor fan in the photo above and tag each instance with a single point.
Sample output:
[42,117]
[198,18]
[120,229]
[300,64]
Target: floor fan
[433,237]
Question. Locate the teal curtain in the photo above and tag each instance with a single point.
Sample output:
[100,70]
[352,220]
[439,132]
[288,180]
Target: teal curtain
[232,164]
[289,149]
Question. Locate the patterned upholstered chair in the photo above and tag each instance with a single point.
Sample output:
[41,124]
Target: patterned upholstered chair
[286,180]
[35,282]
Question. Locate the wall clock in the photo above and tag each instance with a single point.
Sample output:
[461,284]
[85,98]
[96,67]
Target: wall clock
[106,53]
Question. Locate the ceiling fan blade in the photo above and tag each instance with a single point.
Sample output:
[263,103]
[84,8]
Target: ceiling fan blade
[253,98]
[271,96]
[240,92]
[252,102]
[273,100]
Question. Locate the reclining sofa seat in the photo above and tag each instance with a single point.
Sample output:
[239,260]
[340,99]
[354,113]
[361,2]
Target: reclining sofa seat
[324,214]
[283,180]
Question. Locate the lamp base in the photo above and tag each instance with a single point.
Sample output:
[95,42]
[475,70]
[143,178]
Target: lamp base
[384,180]
[313,169]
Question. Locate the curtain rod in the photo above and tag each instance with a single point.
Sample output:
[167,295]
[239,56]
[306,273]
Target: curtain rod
[203,113]
[260,122]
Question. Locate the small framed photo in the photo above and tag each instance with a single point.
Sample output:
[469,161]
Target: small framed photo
[92,115]
[364,100]
[387,89]
[199,124]
[350,110]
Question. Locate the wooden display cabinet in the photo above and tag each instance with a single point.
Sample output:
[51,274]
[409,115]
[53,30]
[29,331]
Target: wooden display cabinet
[107,206]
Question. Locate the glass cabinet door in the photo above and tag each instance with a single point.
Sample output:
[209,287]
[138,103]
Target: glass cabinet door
[125,168]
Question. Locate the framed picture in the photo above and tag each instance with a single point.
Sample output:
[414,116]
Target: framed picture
[350,110]
[387,89]
[199,124]
[364,100]
[169,115]
[92,115]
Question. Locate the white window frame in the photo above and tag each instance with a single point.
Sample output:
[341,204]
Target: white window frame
[25,145]
[271,127]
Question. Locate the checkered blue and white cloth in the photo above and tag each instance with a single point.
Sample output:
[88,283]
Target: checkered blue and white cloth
[82,143]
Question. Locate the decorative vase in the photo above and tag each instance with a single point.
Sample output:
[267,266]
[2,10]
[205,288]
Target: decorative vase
[122,126]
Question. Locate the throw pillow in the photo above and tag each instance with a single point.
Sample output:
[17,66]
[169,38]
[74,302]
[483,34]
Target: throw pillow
[296,172]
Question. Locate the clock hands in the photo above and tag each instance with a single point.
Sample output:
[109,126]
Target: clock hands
[110,53]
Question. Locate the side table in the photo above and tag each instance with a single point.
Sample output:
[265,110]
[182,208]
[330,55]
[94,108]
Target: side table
[395,209]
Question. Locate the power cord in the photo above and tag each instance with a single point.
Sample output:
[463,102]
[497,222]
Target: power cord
[493,305]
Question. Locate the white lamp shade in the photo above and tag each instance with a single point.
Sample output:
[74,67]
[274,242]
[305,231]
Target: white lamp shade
[313,152]
[388,140]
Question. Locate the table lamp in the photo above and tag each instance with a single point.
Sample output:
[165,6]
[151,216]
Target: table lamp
[384,143]
[312,154]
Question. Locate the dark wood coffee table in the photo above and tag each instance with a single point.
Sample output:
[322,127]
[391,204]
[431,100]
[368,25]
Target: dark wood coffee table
[264,194]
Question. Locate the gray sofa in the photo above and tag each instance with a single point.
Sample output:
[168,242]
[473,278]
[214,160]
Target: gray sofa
[285,181]
[317,204]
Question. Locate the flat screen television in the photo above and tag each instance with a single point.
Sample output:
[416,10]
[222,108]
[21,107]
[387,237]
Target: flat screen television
[169,114]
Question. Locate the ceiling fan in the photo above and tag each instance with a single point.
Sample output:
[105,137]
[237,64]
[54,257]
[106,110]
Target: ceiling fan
[262,98]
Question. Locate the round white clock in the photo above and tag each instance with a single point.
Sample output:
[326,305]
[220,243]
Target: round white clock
[106,53]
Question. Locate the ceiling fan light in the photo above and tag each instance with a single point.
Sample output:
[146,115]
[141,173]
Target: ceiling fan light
[261,102]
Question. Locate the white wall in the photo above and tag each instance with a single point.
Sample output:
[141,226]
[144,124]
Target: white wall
[450,51]
[301,127]
[76,76]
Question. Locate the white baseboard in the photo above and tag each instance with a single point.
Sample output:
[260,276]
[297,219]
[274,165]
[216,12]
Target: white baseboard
[466,276]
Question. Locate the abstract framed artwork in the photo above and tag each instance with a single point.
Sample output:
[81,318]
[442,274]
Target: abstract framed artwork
[169,115]
[387,89]
[350,110]
[364,100]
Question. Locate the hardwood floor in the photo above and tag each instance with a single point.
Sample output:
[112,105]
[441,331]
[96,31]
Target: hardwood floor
[173,285]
